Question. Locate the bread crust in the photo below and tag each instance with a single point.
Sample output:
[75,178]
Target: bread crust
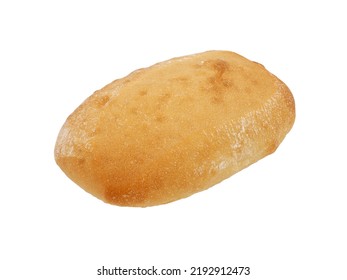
[176,128]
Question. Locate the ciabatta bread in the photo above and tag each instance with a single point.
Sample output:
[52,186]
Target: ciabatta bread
[176,128]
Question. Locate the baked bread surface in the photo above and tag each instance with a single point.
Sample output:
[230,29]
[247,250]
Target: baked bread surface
[176,128]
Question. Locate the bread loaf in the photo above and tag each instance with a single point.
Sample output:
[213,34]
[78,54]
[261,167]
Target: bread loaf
[176,128]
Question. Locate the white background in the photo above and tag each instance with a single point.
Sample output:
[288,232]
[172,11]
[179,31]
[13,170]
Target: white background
[285,216]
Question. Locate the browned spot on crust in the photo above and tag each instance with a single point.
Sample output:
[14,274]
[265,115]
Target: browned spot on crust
[218,84]
[124,195]
[160,118]
[220,66]
[254,82]
[180,79]
[134,111]
[143,92]
[165,97]
[162,100]
[272,148]
[103,100]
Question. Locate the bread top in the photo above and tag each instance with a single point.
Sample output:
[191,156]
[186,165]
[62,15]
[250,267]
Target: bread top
[167,130]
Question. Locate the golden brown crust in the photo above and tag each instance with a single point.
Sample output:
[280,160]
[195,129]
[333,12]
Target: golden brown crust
[174,129]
